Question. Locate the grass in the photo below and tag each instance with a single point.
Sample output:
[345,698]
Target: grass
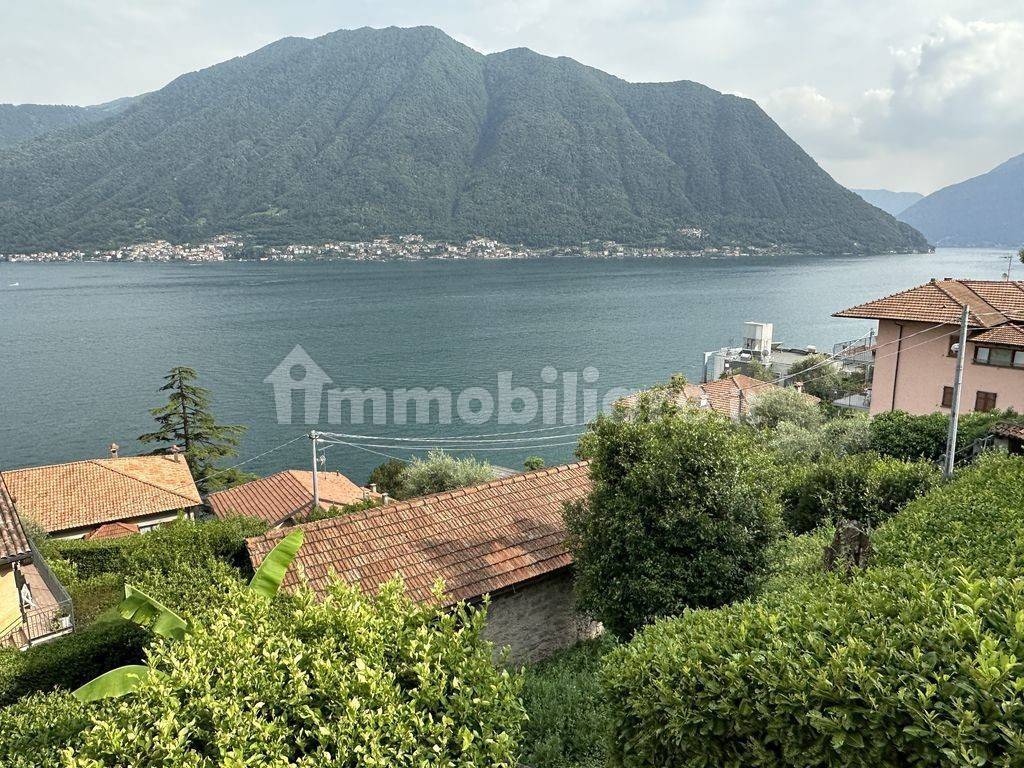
[567,724]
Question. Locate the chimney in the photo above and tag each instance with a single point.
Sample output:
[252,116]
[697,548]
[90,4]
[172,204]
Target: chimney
[114,448]
[798,386]
[175,452]
[385,499]
[373,487]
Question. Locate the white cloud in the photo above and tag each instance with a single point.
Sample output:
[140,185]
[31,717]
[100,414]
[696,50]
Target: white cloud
[953,106]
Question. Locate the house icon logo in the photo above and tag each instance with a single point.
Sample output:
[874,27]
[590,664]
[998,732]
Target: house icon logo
[298,373]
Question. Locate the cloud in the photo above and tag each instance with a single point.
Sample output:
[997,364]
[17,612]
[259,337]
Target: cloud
[954,100]
[964,78]
[830,127]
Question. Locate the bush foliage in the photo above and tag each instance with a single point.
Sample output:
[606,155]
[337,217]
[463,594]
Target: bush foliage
[681,515]
[350,680]
[863,487]
[897,668]
[916,662]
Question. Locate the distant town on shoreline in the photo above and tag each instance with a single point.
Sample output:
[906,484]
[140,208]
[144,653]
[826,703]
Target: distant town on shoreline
[409,247]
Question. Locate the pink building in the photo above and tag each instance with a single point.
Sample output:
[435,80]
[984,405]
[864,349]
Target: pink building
[914,358]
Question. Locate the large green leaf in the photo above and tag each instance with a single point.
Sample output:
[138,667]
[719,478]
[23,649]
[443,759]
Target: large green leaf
[267,580]
[116,682]
[148,612]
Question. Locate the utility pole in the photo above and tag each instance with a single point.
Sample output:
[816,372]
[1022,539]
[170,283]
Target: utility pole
[315,436]
[958,380]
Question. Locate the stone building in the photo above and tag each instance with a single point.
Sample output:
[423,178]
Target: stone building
[505,539]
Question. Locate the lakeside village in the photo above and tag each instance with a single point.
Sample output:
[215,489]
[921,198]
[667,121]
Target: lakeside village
[403,248]
[836,515]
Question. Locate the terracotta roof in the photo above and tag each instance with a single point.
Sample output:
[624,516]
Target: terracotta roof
[1009,429]
[1009,334]
[81,494]
[730,396]
[14,544]
[991,303]
[285,495]
[112,531]
[478,540]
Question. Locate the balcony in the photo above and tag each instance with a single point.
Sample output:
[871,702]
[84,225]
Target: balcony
[49,613]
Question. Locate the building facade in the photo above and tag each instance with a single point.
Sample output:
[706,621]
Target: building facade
[915,353]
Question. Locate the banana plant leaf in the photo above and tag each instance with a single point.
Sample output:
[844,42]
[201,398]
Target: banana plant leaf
[116,682]
[146,611]
[268,578]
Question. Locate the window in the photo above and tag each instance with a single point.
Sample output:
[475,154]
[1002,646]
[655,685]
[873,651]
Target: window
[999,356]
[985,401]
[947,397]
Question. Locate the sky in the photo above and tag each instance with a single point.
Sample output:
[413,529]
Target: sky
[909,95]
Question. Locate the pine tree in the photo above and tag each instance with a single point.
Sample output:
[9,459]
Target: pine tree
[186,420]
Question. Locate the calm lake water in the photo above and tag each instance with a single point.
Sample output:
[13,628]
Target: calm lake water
[83,346]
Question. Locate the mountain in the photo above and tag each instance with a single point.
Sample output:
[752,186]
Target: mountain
[987,210]
[893,203]
[390,131]
[24,121]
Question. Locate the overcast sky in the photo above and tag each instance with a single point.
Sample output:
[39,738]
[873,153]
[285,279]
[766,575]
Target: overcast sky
[903,94]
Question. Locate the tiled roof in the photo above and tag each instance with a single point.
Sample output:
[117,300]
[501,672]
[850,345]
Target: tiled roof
[285,495]
[1009,429]
[478,540]
[62,497]
[112,531]
[991,303]
[14,545]
[1010,334]
[730,396]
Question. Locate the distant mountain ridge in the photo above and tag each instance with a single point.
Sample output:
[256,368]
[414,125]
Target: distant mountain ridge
[367,132]
[19,122]
[891,202]
[986,211]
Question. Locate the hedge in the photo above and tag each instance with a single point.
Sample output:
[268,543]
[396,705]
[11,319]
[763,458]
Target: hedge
[862,487]
[897,668]
[349,680]
[34,731]
[916,662]
[68,662]
[163,549]
[977,520]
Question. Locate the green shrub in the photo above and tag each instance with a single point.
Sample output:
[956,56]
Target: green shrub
[35,730]
[440,472]
[898,667]
[94,597]
[70,661]
[903,436]
[862,487]
[779,405]
[164,549]
[681,513]
[568,724]
[977,520]
[350,680]
[90,558]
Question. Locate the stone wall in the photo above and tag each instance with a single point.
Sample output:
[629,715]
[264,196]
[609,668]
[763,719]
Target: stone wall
[537,619]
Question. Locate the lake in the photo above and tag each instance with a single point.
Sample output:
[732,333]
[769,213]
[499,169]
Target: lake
[83,346]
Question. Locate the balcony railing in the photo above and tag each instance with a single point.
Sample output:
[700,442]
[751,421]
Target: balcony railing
[53,614]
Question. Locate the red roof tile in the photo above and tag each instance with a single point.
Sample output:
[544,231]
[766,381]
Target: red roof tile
[730,396]
[285,495]
[1009,429]
[62,497]
[14,544]
[1009,335]
[478,540]
[991,303]
[112,531]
